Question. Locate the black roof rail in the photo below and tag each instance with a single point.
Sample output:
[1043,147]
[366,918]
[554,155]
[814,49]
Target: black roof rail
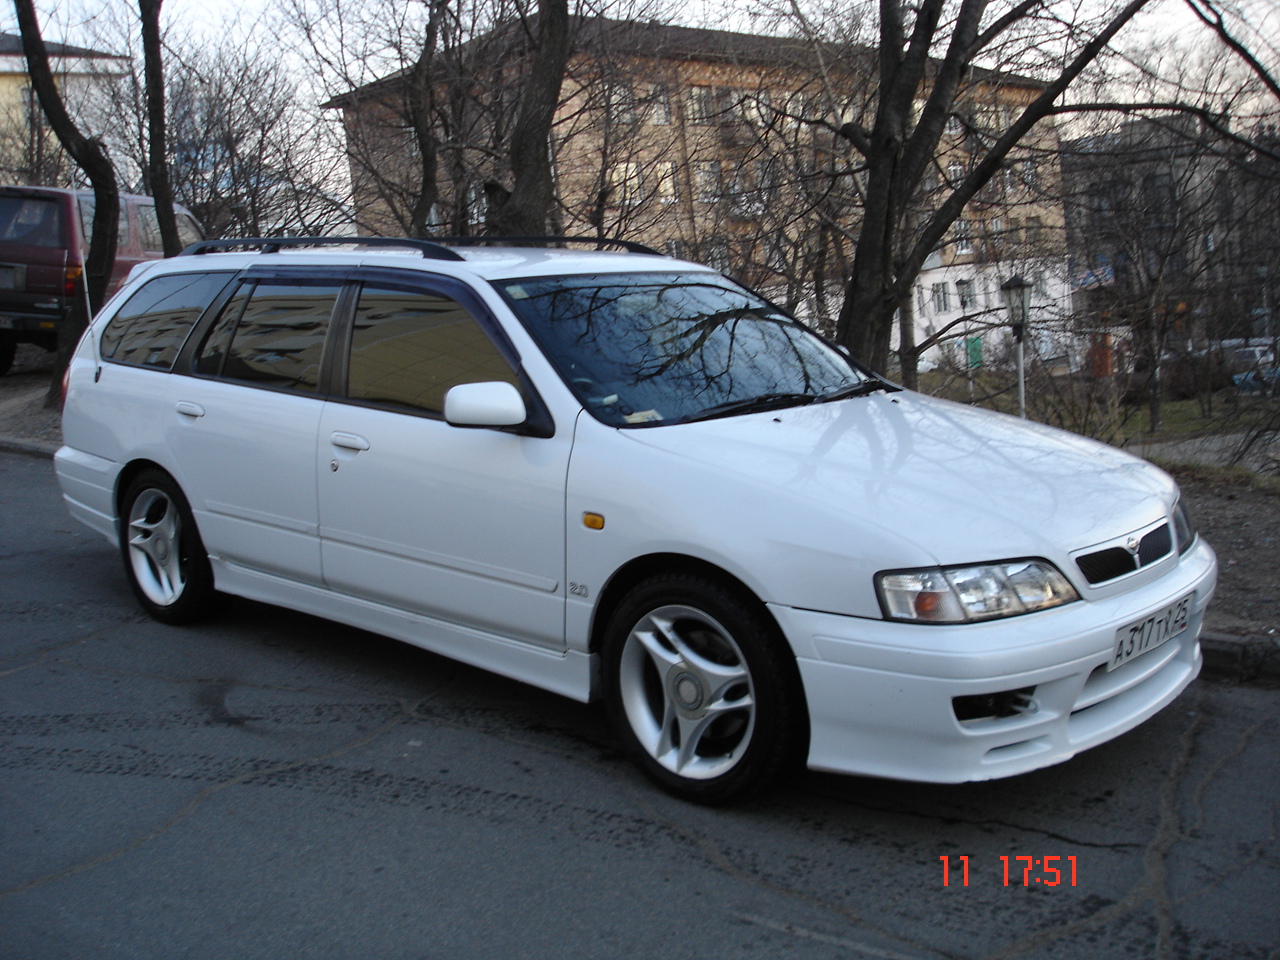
[430,250]
[629,245]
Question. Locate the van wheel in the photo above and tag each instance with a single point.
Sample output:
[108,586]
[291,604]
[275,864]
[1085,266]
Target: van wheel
[8,348]
[702,688]
[164,559]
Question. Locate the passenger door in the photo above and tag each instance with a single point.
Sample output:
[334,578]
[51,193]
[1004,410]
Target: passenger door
[462,525]
[244,425]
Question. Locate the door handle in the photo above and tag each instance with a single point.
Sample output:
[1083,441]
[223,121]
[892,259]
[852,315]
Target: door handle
[189,409]
[349,441]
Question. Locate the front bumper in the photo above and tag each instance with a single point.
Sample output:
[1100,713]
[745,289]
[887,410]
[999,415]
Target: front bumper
[880,694]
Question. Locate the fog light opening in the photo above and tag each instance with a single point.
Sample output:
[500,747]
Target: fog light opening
[995,706]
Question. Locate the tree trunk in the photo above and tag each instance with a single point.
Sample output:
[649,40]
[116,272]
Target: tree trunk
[157,137]
[91,156]
[526,209]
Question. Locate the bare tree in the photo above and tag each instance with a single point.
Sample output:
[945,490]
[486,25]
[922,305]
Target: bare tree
[157,169]
[91,157]
[525,209]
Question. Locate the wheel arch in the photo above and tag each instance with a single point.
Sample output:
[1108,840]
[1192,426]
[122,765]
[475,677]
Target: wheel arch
[130,472]
[639,569]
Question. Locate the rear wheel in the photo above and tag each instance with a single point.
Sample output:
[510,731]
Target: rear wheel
[702,688]
[164,559]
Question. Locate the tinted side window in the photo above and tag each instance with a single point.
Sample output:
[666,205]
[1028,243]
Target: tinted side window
[408,349]
[153,323]
[272,333]
[87,205]
[188,230]
[149,229]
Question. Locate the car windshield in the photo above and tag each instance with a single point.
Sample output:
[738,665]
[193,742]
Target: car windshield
[649,348]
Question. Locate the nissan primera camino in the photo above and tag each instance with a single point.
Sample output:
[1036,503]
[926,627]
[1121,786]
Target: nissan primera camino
[621,476]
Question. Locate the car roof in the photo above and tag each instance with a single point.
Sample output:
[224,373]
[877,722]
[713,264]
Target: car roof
[487,263]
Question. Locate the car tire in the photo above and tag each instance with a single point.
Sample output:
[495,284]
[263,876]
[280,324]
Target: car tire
[8,349]
[164,558]
[702,688]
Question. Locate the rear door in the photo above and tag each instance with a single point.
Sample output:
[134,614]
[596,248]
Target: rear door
[243,425]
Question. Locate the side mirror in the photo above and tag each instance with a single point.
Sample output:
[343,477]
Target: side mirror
[493,404]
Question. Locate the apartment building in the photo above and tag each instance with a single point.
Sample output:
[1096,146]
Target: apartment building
[29,152]
[718,146]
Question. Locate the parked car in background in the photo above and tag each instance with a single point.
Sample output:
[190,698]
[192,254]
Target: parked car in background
[626,477]
[44,241]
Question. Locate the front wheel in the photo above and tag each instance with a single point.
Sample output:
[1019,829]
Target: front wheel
[702,688]
[164,559]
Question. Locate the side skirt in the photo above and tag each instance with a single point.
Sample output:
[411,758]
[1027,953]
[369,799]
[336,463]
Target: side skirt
[568,673]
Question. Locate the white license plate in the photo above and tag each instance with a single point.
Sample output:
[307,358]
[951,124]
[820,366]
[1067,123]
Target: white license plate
[1150,632]
[8,278]
[6,323]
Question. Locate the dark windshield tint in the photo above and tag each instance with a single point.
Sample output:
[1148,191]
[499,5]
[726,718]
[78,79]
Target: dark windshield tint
[31,222]
[662,348]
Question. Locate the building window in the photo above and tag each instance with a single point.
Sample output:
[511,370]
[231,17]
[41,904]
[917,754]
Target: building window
[964,237]
[1035,232]
[716,254]
[702,105]
[627,185]
[955,172]
[941,298]
[707,174]
[920,298]
[622,102]
[660,107]
[965,291]
[1031,174]
[667,185]
[758,108]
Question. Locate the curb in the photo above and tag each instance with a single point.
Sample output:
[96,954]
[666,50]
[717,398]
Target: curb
[29,448]
[1247,659]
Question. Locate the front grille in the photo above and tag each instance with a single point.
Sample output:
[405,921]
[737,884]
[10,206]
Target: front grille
[1115,562]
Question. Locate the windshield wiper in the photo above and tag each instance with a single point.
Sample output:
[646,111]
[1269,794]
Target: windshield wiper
[858,390]
[765,401]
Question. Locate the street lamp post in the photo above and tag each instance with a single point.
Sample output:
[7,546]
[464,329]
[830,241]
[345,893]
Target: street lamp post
[1017,292]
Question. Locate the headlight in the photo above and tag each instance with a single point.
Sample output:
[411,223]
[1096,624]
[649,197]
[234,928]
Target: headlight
[965,594]
[1183,529]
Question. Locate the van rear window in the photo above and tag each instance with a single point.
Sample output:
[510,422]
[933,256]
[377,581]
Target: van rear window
[151,327]
[31,221]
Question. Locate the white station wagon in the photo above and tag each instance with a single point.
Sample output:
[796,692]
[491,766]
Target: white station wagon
[618,475]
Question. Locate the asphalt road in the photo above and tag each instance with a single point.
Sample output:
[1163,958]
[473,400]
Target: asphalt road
[271,785]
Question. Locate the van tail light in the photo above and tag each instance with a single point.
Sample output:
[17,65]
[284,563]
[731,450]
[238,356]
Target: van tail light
[70,284]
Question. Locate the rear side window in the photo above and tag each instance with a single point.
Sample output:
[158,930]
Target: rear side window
[188,230]
[30,221]
[87,205]
[149,229]
[151,327]
[272,333]
[408,348]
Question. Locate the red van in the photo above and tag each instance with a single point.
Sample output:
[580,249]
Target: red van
[44,240]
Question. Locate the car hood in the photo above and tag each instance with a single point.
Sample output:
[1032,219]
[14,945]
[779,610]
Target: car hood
[962,484]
